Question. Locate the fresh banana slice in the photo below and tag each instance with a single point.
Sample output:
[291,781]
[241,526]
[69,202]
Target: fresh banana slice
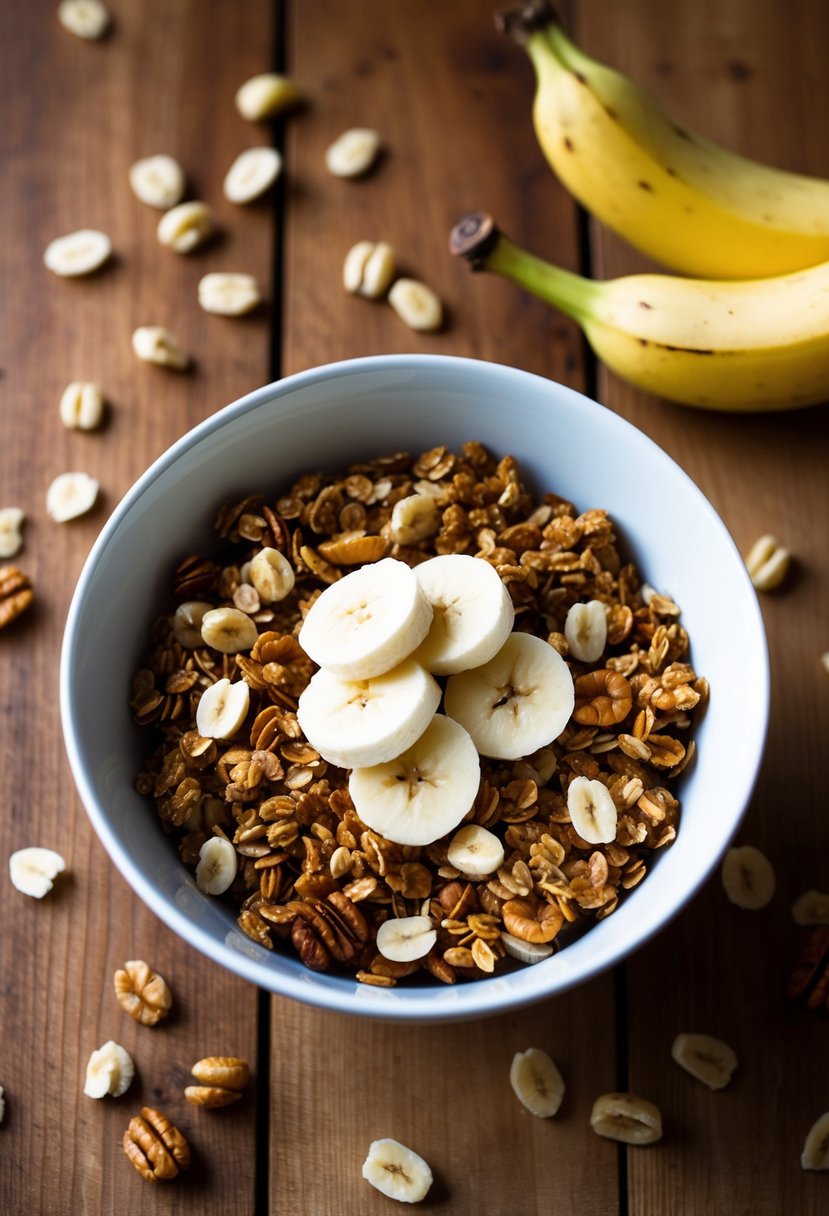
[229,295]
[109,1072]
[228,630]
[368,622]
[71,495]
[222,709]
[748,877]
[592,810]
[586,631]
[353,153]
[357,723]
[272,575]
[413,519]
[706,1058]
[78,253]
[396,1171]
[811,908]
[526,952]
[406,938]
[516,703]
[368,269]
[187,622]
[217,866]
[627,1118]
[536,1082]
[84,18]
[158,181]
[475,851]
[81,406]
[11,536]
[186,226]
[768,563]
[33,870]
[416,305]
[815,1155]
[155,344]
[265,95]
[423,793]
[472,613]
[252,173]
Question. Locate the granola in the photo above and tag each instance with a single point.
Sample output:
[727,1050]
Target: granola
[311,876]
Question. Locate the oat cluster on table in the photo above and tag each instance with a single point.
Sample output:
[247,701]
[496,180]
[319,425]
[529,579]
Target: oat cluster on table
[311,876]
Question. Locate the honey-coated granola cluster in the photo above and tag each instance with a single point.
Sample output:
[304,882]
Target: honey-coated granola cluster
[311,875]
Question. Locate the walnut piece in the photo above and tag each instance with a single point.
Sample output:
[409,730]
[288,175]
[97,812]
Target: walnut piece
[156,1148]
[142,992]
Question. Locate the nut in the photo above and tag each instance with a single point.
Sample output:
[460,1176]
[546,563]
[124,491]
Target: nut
[155,1147]
[142,993]
[530,920]
[158,181]
[768,563]
[809,980]
[229,295]
[603,698]
[155,344]
[84,18]
[81,406]
[77,253]
[626,1118]
[186,226]
[368,269]
[265,95]
[252,173]
[353,153]
[221,1081]
[11,538]
[16,594]
[416,305]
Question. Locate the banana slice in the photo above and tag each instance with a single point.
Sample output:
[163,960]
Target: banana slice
[472,613]
[357,723]
[815,1155]
[592,810]
[475,851]
[748,877]
[423,793]
[368,622]
[708,1059]
[396,1171]
[229,294]
[109,1072]
[217,866]
[222,709]
[353,153]
[516,703]
[413,519]
[416,305]
[272,575]
[586,631]
[627,1118]
[406,938]
[536,1082]
[228,630]
[78,253]
[11,536]
[252,173]
[187,622]
[811,908]
[84,18]
[158,181]
[33,870]
[526,952]
[71,495]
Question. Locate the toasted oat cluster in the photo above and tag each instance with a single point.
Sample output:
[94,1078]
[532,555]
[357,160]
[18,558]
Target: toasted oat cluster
[307,874]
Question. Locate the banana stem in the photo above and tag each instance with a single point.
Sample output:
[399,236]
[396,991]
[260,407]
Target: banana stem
[477,239]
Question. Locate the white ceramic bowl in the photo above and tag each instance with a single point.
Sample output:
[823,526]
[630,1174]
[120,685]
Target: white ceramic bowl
[328,417]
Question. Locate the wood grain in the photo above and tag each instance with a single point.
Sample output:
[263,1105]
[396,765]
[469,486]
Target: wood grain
[745,75]
[76,115]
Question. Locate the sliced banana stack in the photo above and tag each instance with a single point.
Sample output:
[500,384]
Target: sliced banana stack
[516,703]
[536,1082]
[396,1171]
[358,723]
[472,613]
[423,793]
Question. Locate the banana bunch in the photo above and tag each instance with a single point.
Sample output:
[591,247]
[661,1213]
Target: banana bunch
[751,331]
[683,201]
[753,344]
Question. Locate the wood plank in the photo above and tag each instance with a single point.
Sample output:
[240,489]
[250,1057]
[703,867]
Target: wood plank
[451,98]
[751,77]
[76,115]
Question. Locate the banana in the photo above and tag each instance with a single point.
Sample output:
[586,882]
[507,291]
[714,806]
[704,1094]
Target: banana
[71,495]
[748,877]
[222,709]
[815,1155]
[187,621]
[109,1072]
[472,612]
[585,629]
[517,702]
[366,623]
[228,630]
[358,723]
[217,865]
[682,200]
[33,870]
[811,908]
[526,952]
[758,344]
[536,1082]
[627,1118]
[406,938]
[423,793]
[396,1171]
[592,810]
[475,851]
[708,1059]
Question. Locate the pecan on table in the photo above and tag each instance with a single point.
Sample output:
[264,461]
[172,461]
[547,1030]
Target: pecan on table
[156,1148]
[809,980]
[16,594]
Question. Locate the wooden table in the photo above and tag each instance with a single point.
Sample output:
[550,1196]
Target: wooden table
[452,99]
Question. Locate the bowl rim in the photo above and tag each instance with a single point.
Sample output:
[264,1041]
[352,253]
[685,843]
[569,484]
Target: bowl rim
[474,1000]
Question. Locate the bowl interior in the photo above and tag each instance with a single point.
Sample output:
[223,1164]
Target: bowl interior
[327,418]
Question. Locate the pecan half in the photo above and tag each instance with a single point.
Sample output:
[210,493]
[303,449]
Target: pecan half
[142,993]
[531,920]
[809,979]
[16,594]
[156,1148]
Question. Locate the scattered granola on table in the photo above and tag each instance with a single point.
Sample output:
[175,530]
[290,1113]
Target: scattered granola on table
[311,876]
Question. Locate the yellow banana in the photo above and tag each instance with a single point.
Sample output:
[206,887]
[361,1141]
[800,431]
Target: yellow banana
[682,200]
[758,344]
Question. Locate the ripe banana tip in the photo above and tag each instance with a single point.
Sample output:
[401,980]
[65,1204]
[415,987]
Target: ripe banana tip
[473,238]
